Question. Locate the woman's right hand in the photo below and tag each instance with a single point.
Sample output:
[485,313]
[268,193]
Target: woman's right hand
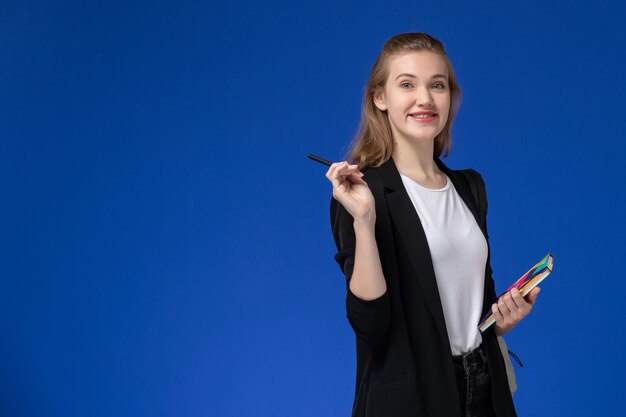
[351,191]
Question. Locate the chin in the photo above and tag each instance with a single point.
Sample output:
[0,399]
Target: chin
[426,136]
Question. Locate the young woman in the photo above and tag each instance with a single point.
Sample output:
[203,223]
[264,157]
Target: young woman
[415,251]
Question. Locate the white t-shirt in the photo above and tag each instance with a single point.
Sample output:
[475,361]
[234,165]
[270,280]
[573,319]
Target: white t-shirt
[459,253]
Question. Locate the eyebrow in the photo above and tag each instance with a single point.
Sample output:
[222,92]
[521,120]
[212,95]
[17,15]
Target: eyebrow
[404,74]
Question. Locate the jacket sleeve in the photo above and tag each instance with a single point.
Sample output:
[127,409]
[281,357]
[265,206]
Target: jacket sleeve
[369,318]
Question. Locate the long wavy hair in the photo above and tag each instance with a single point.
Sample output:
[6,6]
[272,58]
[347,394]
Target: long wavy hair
[373,144]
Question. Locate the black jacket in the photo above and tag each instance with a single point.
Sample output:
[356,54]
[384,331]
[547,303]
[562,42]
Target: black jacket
[404,361]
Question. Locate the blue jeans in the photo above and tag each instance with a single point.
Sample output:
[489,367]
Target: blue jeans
[474,383]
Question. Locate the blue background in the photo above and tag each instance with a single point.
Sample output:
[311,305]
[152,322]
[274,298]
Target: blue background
[166,248]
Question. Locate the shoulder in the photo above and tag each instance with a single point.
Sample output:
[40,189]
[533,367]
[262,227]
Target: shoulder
[374,180]
[371,175]
[470,175]
[465,171]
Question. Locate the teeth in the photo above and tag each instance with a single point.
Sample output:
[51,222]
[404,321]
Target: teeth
[423,116]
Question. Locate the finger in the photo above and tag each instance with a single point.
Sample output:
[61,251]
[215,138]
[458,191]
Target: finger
[342,170]
[523,305]
[334,179]
[351,174]
[355,167]
[497,314]
[348,169]
[355,176]
[339,186]
[518,299]
[333,174]
[532,296]
[514,310]
[504,309]
[343,184]
[332,169]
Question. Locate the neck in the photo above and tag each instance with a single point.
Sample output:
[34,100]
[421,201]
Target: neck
[415,159]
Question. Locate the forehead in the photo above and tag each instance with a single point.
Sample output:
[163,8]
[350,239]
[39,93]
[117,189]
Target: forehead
[421,64]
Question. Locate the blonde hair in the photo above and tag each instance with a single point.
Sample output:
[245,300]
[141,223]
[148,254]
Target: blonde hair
[373,144]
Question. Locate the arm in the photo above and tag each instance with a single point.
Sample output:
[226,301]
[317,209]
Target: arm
[358,254]
[353,221]
[368,282]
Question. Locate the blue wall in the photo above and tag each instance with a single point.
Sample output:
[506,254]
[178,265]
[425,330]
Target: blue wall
[166,248]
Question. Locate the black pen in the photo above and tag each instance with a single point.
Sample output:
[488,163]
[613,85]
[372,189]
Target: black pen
[320,160]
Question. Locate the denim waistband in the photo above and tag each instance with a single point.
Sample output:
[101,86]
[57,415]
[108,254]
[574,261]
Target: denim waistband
[471,361]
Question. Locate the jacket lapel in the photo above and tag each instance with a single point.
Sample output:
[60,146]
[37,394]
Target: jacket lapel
[412,234]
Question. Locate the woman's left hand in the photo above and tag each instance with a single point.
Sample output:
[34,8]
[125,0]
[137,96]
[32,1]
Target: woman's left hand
[511,308]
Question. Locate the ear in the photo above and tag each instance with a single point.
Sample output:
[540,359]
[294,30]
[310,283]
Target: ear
[379,99]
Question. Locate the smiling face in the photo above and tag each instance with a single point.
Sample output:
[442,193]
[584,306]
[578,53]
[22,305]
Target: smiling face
[416,96]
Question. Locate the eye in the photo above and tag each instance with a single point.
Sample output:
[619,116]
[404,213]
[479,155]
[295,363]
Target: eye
[439,86]
[406,85]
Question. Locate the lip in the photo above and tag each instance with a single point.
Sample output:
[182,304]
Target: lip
[425,120]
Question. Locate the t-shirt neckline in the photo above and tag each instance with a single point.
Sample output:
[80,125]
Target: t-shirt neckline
[411,181]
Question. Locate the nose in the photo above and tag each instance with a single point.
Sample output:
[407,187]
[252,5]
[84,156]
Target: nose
[423,97]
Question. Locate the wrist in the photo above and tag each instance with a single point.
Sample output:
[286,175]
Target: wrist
[500,331]
[364,223]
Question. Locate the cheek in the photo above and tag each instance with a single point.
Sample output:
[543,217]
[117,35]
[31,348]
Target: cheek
[445,103]
[445,106]
[447,114]
[395,113]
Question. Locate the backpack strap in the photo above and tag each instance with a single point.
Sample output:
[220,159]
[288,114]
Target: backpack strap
[477,185]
